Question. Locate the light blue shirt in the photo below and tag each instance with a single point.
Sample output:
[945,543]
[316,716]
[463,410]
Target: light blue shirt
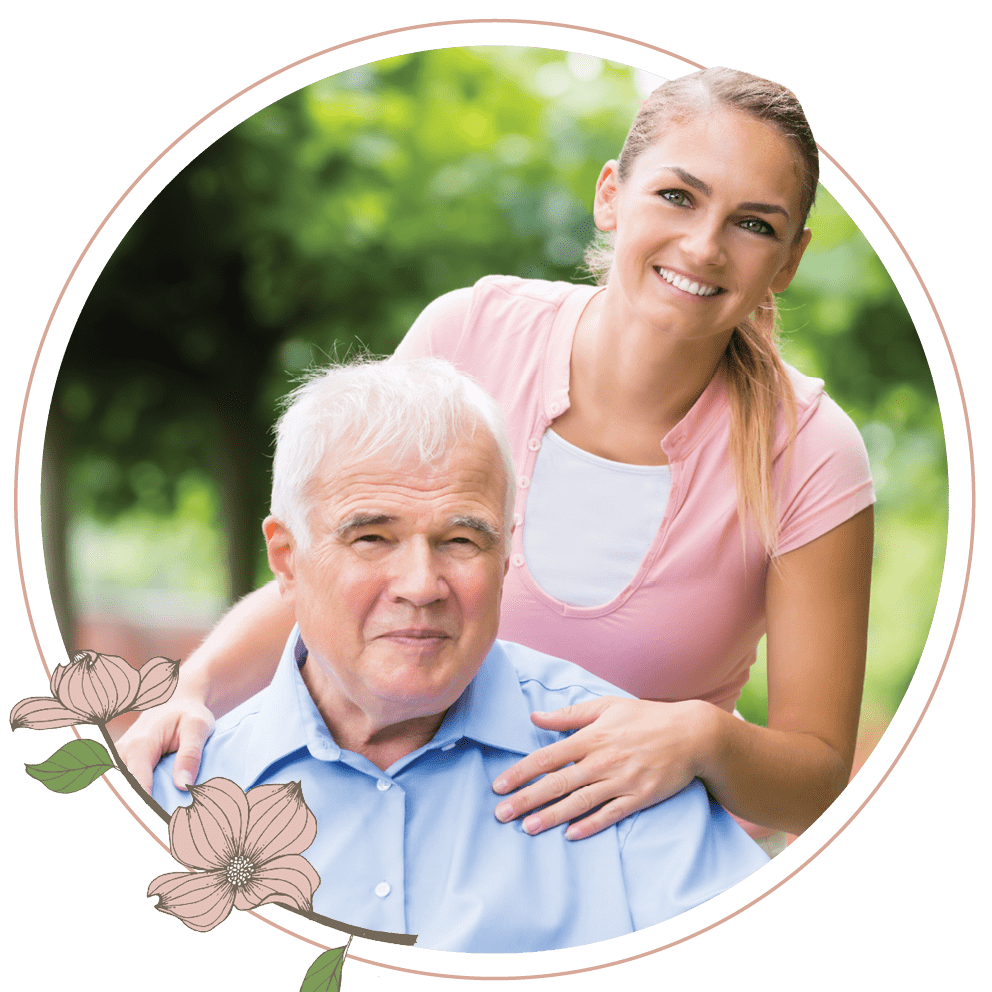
[417,849]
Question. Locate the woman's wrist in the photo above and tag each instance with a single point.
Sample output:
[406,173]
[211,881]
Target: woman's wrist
[703,730]
[194,684]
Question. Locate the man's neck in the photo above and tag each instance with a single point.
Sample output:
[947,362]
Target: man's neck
[388,745]
[354,730]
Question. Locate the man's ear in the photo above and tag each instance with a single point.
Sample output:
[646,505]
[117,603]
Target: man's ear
[281,550]
[604,205]
[785,274]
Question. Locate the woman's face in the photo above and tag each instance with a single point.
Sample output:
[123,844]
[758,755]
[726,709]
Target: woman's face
[706,223]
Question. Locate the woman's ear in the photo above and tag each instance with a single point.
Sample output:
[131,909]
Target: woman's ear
[604,205]
[785,274]
[281,550]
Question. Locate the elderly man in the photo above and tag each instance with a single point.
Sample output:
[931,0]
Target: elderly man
[395,706]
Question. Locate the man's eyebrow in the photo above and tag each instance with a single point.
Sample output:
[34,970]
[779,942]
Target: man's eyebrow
[363,519]
[477,524]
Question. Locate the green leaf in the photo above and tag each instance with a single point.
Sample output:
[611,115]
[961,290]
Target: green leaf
[72,767]
[324,975]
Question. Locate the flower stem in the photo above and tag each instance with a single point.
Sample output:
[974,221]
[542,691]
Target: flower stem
[132,781]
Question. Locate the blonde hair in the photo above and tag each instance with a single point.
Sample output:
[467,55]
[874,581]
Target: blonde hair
[758,384]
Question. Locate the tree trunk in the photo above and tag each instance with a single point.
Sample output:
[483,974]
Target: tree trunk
[241,445]
[55,524]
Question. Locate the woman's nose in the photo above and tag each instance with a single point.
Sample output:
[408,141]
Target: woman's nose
[703,243]
[418,575]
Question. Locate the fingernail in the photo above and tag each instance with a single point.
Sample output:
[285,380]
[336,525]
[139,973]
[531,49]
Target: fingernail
[185,779]
[500,785]
[532,825]
[572,833]
[503,812]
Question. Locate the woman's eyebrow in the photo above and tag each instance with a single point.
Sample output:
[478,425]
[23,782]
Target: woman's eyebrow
[765,208]
[696,183]
[690,180]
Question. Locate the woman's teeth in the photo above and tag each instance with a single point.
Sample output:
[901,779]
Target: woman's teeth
[687,285]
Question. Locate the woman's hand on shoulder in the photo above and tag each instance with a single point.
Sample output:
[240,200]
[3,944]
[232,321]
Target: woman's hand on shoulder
[625,755]
[182,725]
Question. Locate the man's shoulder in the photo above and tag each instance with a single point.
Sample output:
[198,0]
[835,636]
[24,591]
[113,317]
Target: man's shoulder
[542,674]
[223,755]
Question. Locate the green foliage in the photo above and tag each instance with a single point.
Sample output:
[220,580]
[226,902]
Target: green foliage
[328,220]
[73,766]
[324,975]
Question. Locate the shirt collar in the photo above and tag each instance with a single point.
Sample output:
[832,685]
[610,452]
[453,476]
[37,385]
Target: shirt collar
[492,711]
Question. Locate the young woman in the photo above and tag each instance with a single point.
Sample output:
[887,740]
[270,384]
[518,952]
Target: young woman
[681,492]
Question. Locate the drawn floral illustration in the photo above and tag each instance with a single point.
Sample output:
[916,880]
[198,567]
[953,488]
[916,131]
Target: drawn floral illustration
[94,688]
[324,975]
[242,849]
[72,767]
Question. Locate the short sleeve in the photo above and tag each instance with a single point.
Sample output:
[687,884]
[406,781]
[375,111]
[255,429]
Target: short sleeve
[439,328]
[827,476]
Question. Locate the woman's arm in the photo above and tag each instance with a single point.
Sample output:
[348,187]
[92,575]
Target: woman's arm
[630,754]
[237,659]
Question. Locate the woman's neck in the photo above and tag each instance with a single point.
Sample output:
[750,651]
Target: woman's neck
[628,376]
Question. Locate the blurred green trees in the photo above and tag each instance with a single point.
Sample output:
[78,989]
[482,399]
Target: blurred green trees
[326,222]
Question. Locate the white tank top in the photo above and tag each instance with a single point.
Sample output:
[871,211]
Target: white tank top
[589,521]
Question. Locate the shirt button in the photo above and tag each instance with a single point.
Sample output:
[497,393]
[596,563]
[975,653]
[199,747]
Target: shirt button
[517,519]
[554,408]
[382,785]
[523,482]
[534,443]
[382,890]
[518,560]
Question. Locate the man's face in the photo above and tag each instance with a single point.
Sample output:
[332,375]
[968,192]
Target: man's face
[398,594]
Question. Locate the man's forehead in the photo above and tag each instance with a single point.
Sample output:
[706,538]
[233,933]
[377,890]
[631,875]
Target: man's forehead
[384,487]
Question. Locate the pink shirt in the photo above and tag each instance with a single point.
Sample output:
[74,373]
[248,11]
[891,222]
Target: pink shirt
[688,623]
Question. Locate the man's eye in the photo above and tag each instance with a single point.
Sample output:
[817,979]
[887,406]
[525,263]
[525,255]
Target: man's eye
[369,539]
[676,196]
[757,225]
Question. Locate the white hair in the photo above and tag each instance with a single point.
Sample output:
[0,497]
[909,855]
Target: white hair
[369,405]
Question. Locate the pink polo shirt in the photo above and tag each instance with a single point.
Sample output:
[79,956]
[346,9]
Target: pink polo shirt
[688,623]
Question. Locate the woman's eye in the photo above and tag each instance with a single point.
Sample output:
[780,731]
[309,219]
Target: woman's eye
[676,196]
[757,225]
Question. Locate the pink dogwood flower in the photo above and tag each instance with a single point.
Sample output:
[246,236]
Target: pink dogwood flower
[244,849]
[94,688]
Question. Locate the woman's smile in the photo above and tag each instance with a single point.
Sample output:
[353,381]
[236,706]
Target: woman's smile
[687,283]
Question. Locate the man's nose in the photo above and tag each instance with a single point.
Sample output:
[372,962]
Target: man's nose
[418,577]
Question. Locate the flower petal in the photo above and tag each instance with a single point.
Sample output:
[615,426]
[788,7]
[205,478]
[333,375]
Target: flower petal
[158,680]
[43,713]
[200,899]
[208,832]
[290,879]
[280,822]
[101,686]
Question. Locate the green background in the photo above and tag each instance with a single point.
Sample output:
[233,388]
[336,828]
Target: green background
[94,95]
